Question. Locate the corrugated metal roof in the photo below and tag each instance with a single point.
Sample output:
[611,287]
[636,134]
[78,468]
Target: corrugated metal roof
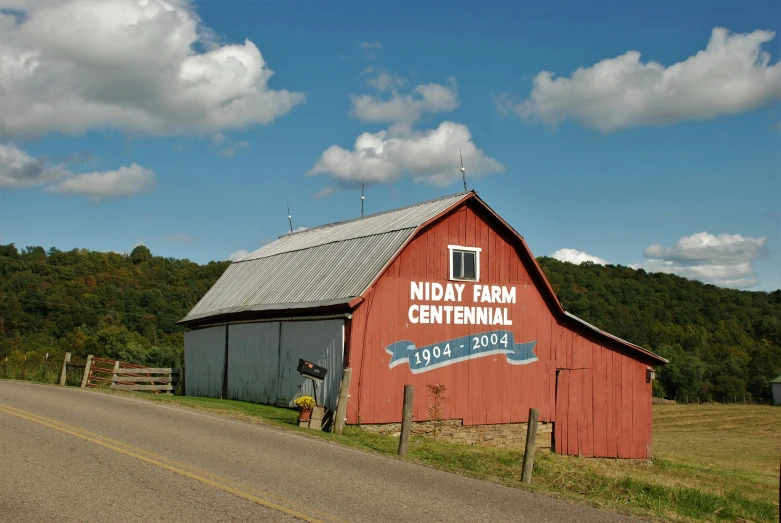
[375,224]
[330,264]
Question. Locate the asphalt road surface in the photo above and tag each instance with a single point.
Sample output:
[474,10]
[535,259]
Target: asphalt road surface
[74,455]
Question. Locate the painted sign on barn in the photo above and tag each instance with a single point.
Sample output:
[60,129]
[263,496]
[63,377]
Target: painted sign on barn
[422,359]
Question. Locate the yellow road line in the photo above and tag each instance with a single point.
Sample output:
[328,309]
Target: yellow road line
[190,468]
[177,470]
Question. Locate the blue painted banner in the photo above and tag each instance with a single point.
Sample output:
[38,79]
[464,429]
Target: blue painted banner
[422,359]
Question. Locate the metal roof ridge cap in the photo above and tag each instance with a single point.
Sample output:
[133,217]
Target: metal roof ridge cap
[414,227]
[323,226]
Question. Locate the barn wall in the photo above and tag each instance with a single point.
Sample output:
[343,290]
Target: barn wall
[319,342]
[204,361]
[262,360]
[253,362]
[609,401]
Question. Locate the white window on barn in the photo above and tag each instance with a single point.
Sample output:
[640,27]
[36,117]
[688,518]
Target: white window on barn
[464,263]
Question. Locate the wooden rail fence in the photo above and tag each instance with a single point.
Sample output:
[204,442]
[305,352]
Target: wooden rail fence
[120,375]
[145,379]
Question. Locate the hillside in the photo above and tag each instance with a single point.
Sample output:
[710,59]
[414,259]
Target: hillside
[721,342]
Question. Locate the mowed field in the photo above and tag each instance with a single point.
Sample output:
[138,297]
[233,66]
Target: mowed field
[721,448]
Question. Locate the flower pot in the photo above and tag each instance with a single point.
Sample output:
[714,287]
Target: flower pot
[305,414]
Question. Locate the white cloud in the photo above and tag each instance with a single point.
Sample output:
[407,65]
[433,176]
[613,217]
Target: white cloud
[405,108]
[18,169]
[97,186]
[577,257]
[179,238]
[731,75]
[371,45]
[384,80]
[297,229]
[325,191]
[230,150]
[140,66]
[237,255]
[427,156]
[724,260]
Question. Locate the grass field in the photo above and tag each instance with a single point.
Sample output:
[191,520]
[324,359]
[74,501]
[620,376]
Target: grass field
[712,462]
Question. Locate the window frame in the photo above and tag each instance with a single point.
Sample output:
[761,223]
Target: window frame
[462,248]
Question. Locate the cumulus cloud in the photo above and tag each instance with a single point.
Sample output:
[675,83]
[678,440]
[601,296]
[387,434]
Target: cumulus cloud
[140,66]
[577,257]
[98,186]
[731,75]
[237,255]
[724,260]
[371,45]
[427,156]
[18,169]
[405,108]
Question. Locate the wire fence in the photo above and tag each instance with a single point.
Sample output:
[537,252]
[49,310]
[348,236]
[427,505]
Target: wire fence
[47,370]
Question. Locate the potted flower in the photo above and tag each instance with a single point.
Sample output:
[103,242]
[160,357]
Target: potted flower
[305,405]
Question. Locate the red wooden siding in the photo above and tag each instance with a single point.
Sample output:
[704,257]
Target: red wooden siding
[600,401]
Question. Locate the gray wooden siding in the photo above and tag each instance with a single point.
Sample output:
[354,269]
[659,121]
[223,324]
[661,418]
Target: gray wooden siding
[253,362]
[316,341]
[204,361]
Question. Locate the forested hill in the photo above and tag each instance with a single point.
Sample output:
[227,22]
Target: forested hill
[100,303]
[721,342]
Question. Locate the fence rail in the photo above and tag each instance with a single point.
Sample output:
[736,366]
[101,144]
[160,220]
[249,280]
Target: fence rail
[145,379]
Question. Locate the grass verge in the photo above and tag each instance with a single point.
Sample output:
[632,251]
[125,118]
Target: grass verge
[708,466]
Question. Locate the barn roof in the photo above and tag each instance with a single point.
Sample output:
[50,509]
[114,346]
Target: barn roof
[327,265]
[777,380]
[334,264]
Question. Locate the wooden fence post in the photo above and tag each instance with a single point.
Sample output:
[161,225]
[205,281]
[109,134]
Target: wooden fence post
[531,446]
[341,406]
[64,373]
[406,420]
[87,367]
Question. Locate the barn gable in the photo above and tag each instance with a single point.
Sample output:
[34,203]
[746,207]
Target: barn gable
[525,352]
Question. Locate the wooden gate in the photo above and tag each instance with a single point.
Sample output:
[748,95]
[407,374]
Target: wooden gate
[574,429]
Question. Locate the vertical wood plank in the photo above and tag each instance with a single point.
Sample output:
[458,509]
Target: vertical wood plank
[617,402]
[607,367]
[573,418]
[625,448]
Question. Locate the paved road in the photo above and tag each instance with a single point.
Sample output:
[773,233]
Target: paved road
[75,455]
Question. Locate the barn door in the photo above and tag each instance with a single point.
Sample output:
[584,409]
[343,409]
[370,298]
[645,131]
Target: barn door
[574,429]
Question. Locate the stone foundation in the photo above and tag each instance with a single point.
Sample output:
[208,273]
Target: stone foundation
[500,435]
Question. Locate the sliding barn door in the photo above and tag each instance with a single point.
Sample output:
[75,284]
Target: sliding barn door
[574,429]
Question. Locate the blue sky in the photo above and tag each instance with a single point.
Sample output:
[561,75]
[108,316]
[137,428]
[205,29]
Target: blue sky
[158,124]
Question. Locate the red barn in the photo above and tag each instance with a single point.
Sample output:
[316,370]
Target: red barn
[440,292]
